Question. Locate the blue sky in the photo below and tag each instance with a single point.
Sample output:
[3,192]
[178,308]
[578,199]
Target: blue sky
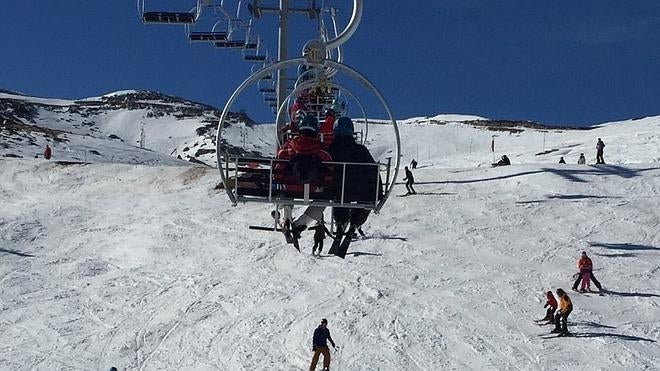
[557,62]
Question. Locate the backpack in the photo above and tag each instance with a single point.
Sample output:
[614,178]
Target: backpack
[306,169]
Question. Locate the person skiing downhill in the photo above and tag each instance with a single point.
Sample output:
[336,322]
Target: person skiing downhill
[320,346]
[585,274]
[410,180]
[561,318]
[320,231]
[551,304]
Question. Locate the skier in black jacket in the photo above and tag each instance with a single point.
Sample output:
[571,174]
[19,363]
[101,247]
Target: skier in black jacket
[410,180]
[320,230]
[361,183]
[320,345]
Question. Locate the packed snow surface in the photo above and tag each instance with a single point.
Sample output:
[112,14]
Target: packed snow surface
[150,267]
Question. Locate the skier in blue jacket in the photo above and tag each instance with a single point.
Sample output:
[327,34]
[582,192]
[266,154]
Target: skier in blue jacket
[320,346]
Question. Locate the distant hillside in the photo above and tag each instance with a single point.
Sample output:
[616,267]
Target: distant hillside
[167,125]
[149,127]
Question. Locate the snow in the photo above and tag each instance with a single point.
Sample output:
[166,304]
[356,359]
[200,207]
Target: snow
[46,101]
[150,267]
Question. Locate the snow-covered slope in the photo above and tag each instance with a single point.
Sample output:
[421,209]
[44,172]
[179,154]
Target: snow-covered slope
[113,263]
[150,268]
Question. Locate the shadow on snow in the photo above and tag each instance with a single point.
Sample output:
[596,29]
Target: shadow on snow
[14,252]
[572,174]
[623,246]
[605,334]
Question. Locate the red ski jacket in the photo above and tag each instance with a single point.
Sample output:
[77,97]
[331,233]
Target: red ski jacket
[300,145]
[551,302]
[326,130]
[584,264]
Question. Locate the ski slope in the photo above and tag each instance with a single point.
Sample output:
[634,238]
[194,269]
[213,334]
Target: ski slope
[149,268]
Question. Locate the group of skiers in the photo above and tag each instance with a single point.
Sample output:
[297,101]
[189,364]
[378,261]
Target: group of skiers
[600,146]
[306,152]
[565,306]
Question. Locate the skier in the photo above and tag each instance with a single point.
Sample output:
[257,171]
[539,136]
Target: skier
[291,128]
[561,318]
[413,164]
[329,123]
[582,160]
[551,304]
[320,346]
[410,180]
[305,154]
[585,274]
[359,181]
[320,230]
[504,161]
[47,152]
[561,160]
[599,151]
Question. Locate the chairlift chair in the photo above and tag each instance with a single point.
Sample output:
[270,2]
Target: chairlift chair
[261,184]
[255,57]
[169,17]
[216,34]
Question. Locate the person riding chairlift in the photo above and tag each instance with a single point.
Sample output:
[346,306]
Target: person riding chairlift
[304,154]
[327,126]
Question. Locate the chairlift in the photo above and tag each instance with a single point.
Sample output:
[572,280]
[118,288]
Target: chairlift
[168,17]
[254,57]
[257,7]
[216,34]
[260,184]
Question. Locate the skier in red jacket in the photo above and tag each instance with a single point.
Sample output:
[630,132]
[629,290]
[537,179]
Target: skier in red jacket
[585,274]
[551,304]
[305,154]
[47,152]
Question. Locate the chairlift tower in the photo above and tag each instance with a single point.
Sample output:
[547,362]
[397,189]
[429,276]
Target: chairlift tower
[282,10]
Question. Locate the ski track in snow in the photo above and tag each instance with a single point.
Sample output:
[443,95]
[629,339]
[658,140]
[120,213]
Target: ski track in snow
[149,268]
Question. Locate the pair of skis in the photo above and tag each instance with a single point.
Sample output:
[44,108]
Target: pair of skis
[342,242]
[288,234]
[544,322]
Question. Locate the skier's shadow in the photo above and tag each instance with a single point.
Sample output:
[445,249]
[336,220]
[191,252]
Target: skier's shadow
[359,253]
[621,255]
[14,252]
[591,324]
[623,246]
[618,336]
[632,294]
[377,237]
[436,193]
